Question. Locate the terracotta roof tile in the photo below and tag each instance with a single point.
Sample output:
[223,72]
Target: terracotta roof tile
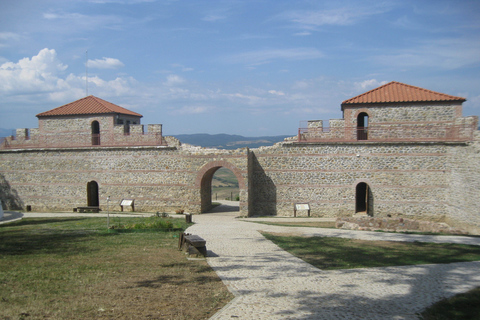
[394,92]
[88,105]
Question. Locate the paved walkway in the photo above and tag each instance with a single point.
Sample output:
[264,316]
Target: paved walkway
[269,283]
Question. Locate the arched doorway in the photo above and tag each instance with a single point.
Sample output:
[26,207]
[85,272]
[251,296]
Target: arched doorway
[363,199]
[95,133]
[362,126]
[204,181]
[92,194]
[225,185]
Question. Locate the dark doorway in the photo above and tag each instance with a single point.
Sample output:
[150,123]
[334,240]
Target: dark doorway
[362,126]
[92,194]
[363,199]
[95,133]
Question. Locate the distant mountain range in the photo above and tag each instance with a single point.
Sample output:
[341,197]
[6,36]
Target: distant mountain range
[228,141]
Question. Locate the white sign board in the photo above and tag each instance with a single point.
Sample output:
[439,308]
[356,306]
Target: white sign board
[126,202]
[302,206]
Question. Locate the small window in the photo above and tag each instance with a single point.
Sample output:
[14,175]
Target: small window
[95,133]
[362,126]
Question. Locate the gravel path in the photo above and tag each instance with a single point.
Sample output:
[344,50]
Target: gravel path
[269,283]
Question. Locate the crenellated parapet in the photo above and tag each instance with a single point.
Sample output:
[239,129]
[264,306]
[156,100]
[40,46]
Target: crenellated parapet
[395,112]
[87,122]
[120,136]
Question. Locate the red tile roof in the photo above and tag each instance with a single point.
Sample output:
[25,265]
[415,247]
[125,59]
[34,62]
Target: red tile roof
[88,105]
[394,92]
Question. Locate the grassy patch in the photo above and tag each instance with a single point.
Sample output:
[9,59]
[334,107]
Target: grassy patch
[72,268]
[151,224]
[338,253]
[465,306]
[308,224]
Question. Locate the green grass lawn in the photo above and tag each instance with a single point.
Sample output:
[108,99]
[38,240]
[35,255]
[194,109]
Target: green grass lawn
[306,224]
[73,268]
[464,306]
[338,253]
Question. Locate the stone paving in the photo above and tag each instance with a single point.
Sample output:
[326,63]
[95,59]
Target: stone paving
[269,283]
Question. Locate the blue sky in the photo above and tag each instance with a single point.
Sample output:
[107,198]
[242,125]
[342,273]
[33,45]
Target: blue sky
[239,67]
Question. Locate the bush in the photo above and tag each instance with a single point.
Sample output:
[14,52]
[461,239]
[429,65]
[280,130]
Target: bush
[152,223]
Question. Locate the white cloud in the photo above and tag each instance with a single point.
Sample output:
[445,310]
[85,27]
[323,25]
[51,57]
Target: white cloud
[187,110]
[43,77]
[368,84]
[269,55]
[249,99]
[8,36]
[343,15]
[174,80]
[443,53]
[277,93]
[77,22]
[181,67]
[105,63]
[38,74]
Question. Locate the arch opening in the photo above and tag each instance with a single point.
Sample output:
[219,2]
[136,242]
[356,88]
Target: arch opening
[362,126]
[363,199]
[92,194]
[225,185]
[205,178]
[95,133]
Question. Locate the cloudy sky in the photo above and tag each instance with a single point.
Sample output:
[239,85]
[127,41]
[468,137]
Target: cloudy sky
[234,66]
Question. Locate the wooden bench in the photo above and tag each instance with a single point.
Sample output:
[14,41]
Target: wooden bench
[193,244]
[87,209]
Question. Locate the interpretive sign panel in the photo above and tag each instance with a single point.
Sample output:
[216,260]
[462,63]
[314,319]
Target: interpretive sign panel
[301,206]
[128,202]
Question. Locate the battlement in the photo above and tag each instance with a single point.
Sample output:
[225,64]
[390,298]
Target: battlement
[395,112]
[461,129]
[120,136]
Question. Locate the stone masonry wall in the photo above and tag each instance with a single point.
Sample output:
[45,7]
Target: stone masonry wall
[405,179]
[404,113]
[432,181]
[158,178]
[463,197]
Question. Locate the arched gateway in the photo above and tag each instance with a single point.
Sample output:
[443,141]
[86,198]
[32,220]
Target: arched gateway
[204,183]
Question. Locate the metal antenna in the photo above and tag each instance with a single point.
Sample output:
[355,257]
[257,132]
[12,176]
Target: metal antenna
[86,73]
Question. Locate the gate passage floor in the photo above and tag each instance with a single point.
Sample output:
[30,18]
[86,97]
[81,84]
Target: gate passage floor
[269,283]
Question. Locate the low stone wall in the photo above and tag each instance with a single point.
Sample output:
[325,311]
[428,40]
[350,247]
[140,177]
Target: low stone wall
[394,225]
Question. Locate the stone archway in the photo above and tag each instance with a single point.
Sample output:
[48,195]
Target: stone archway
[204,183]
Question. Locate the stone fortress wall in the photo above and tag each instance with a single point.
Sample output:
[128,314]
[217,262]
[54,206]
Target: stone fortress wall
[428,181]
[417,178]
